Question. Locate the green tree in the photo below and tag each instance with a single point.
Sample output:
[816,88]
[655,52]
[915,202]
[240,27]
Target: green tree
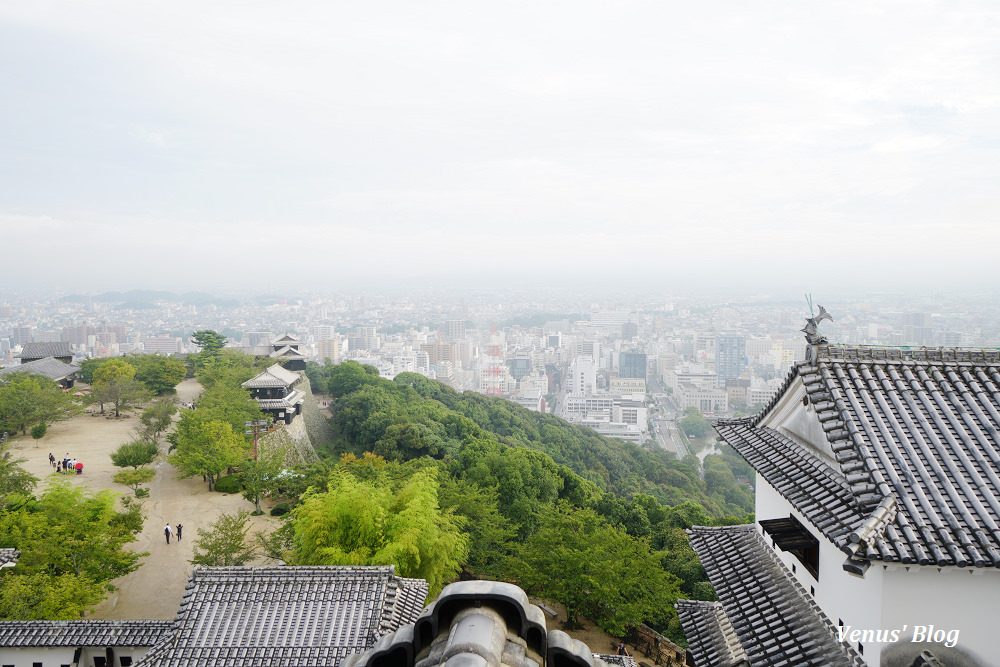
[221,402]
[134,454]
[225,542]
[366,523]
[156,419]
[159,373]
[209,341]
[349,376]
[207,449]
[72,543]
[14,480]
[260,477]
[45,596]
[210,344]
[595,570]
[89,366]
[694,425]
[491,534]
[27,399]
[115,383]
[38,432]
[133,479]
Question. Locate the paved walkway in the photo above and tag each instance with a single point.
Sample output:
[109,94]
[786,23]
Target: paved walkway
[155,589]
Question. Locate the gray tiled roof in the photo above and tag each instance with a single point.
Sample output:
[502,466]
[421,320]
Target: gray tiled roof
[914,432]
[477,623]
[8,556]
[287,352]
[286,403]
[49,367]
[274,376]
[82,633]
[42,350]
[302,616]
[818,491]
[776,621]
[710,633]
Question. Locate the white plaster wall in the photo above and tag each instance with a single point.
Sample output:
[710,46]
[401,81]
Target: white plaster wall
[56,656]
[967,600]
[841,596]
[24,657]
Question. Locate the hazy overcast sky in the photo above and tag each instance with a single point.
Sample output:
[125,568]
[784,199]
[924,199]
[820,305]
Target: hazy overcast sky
[218,144]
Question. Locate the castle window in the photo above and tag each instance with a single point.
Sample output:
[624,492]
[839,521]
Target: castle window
[791,536]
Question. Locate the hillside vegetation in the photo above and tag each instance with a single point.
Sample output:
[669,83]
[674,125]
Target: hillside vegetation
[594,523]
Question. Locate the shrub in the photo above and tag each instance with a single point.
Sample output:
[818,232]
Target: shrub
[134,454]
[229,484]
[280,508]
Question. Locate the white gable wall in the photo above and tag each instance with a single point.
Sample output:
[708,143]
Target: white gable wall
[799,422]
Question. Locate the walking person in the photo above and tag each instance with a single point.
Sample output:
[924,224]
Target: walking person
[166,532]
[180,528]
[52,460]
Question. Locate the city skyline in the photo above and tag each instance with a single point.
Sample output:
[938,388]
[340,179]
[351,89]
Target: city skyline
[699,148]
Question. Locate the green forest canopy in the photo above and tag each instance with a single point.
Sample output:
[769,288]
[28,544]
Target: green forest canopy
[513,479]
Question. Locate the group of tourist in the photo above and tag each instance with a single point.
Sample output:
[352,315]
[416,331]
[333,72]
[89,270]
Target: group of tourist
[68,464]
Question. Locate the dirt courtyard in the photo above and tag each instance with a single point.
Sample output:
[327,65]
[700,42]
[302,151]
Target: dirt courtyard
[154,590]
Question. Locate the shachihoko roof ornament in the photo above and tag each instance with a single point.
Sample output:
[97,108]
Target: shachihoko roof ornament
[811,329]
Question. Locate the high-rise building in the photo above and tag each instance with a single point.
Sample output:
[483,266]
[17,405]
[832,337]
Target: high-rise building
[329,348]
[632,365]
[255,338]
[162,344]
[730,356]
[323,332]
[582,376]
[455,330]
[21,335]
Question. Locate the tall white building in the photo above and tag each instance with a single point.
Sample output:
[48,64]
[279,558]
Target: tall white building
[582,376]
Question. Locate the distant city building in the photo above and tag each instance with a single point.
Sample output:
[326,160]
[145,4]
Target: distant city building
[21,334]
[455,330]
[582,376]
[328,348]
[163,345]
[255,338]
[632,365]
[631,388]
[323,332]
[730,356]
